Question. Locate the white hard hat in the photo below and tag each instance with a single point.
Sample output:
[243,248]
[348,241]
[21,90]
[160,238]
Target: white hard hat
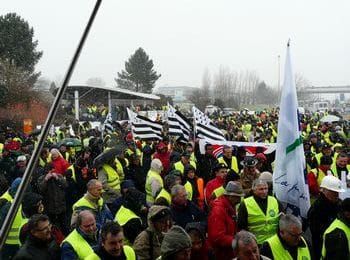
[332,183]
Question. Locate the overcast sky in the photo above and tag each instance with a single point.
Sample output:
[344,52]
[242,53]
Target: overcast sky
[183,37]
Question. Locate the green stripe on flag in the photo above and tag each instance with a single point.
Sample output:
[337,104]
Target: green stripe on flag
[294,145]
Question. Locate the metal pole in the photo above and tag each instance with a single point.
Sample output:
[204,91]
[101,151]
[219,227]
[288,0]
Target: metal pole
[109,103]
[35,156]
[76,104]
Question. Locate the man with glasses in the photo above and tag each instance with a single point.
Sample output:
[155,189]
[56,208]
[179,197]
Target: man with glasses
[288,243]
[39,243]
[79,243]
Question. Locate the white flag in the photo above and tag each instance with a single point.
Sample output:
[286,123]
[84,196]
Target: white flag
[288,179]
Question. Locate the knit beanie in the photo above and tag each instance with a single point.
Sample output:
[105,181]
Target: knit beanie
[175,240]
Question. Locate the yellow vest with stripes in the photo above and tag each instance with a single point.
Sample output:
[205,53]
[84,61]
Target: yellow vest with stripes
[336,224]
[261,225]
[79,244]
[113,177]
[85,203]
[279,252]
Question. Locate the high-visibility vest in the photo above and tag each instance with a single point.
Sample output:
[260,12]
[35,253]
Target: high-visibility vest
[150,175]
[234,164]
[319,174]
[335,172]
[113,178]
[336,224]
[79,244]
[261,225]
[164,194]
[85,203]
[200,187]
[318,158]
[13,235]
[120,169]
[181,168]
[128,251]
[124,215]
[219,191]
[279,252]
[1,147]
[72,168]
[189,190]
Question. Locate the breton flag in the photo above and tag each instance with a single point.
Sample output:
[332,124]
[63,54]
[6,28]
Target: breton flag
[289,182]
[144,128]
[205,128]
[107,127]
[178,124]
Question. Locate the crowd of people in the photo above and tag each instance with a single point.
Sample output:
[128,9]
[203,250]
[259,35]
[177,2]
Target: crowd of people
[117,197]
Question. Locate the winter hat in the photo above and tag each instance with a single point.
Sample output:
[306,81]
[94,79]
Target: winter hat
[266,176]
[156,165]
[175,240]
[158,212]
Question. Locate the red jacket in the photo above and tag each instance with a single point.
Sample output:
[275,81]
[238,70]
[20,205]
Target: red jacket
[60,165]
[222,228]
[211,186]
[165,159]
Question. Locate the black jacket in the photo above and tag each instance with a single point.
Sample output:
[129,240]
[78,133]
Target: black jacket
[320,215]
[205,164]
[336,243]
[34,248]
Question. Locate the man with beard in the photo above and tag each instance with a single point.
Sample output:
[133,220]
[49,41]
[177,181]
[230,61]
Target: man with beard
[79,243]
[39,243]
[340,165]
[112,245]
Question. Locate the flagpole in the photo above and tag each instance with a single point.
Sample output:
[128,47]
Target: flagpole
[6,225]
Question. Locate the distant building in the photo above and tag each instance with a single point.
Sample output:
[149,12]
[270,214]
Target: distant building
[179,94]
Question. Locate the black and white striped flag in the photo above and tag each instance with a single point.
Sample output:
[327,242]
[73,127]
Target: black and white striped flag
[107,127]
[144,128]
[178,124]
[205,128]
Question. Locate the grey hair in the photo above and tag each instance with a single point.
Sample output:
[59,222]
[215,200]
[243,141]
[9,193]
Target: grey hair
[55,150]
[258,182]
[287,220]
[245,237]
[92,183]
[83,214]
[176,188]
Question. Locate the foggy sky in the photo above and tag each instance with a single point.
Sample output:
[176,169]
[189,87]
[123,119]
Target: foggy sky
[184,37]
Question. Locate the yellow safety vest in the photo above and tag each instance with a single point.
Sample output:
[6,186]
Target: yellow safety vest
[219,191]
[128,251]
[124,215]
[335,224]
[318,158]
[13,235]
[234,164]
[261,225]
[181,168]
[1,147]
[85,203]
[279,252]
[72,168]
[151,174]
[335,172]
[319,174]
[113,177]
[189,190]
[164,194]
[120,169]
[79,244]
